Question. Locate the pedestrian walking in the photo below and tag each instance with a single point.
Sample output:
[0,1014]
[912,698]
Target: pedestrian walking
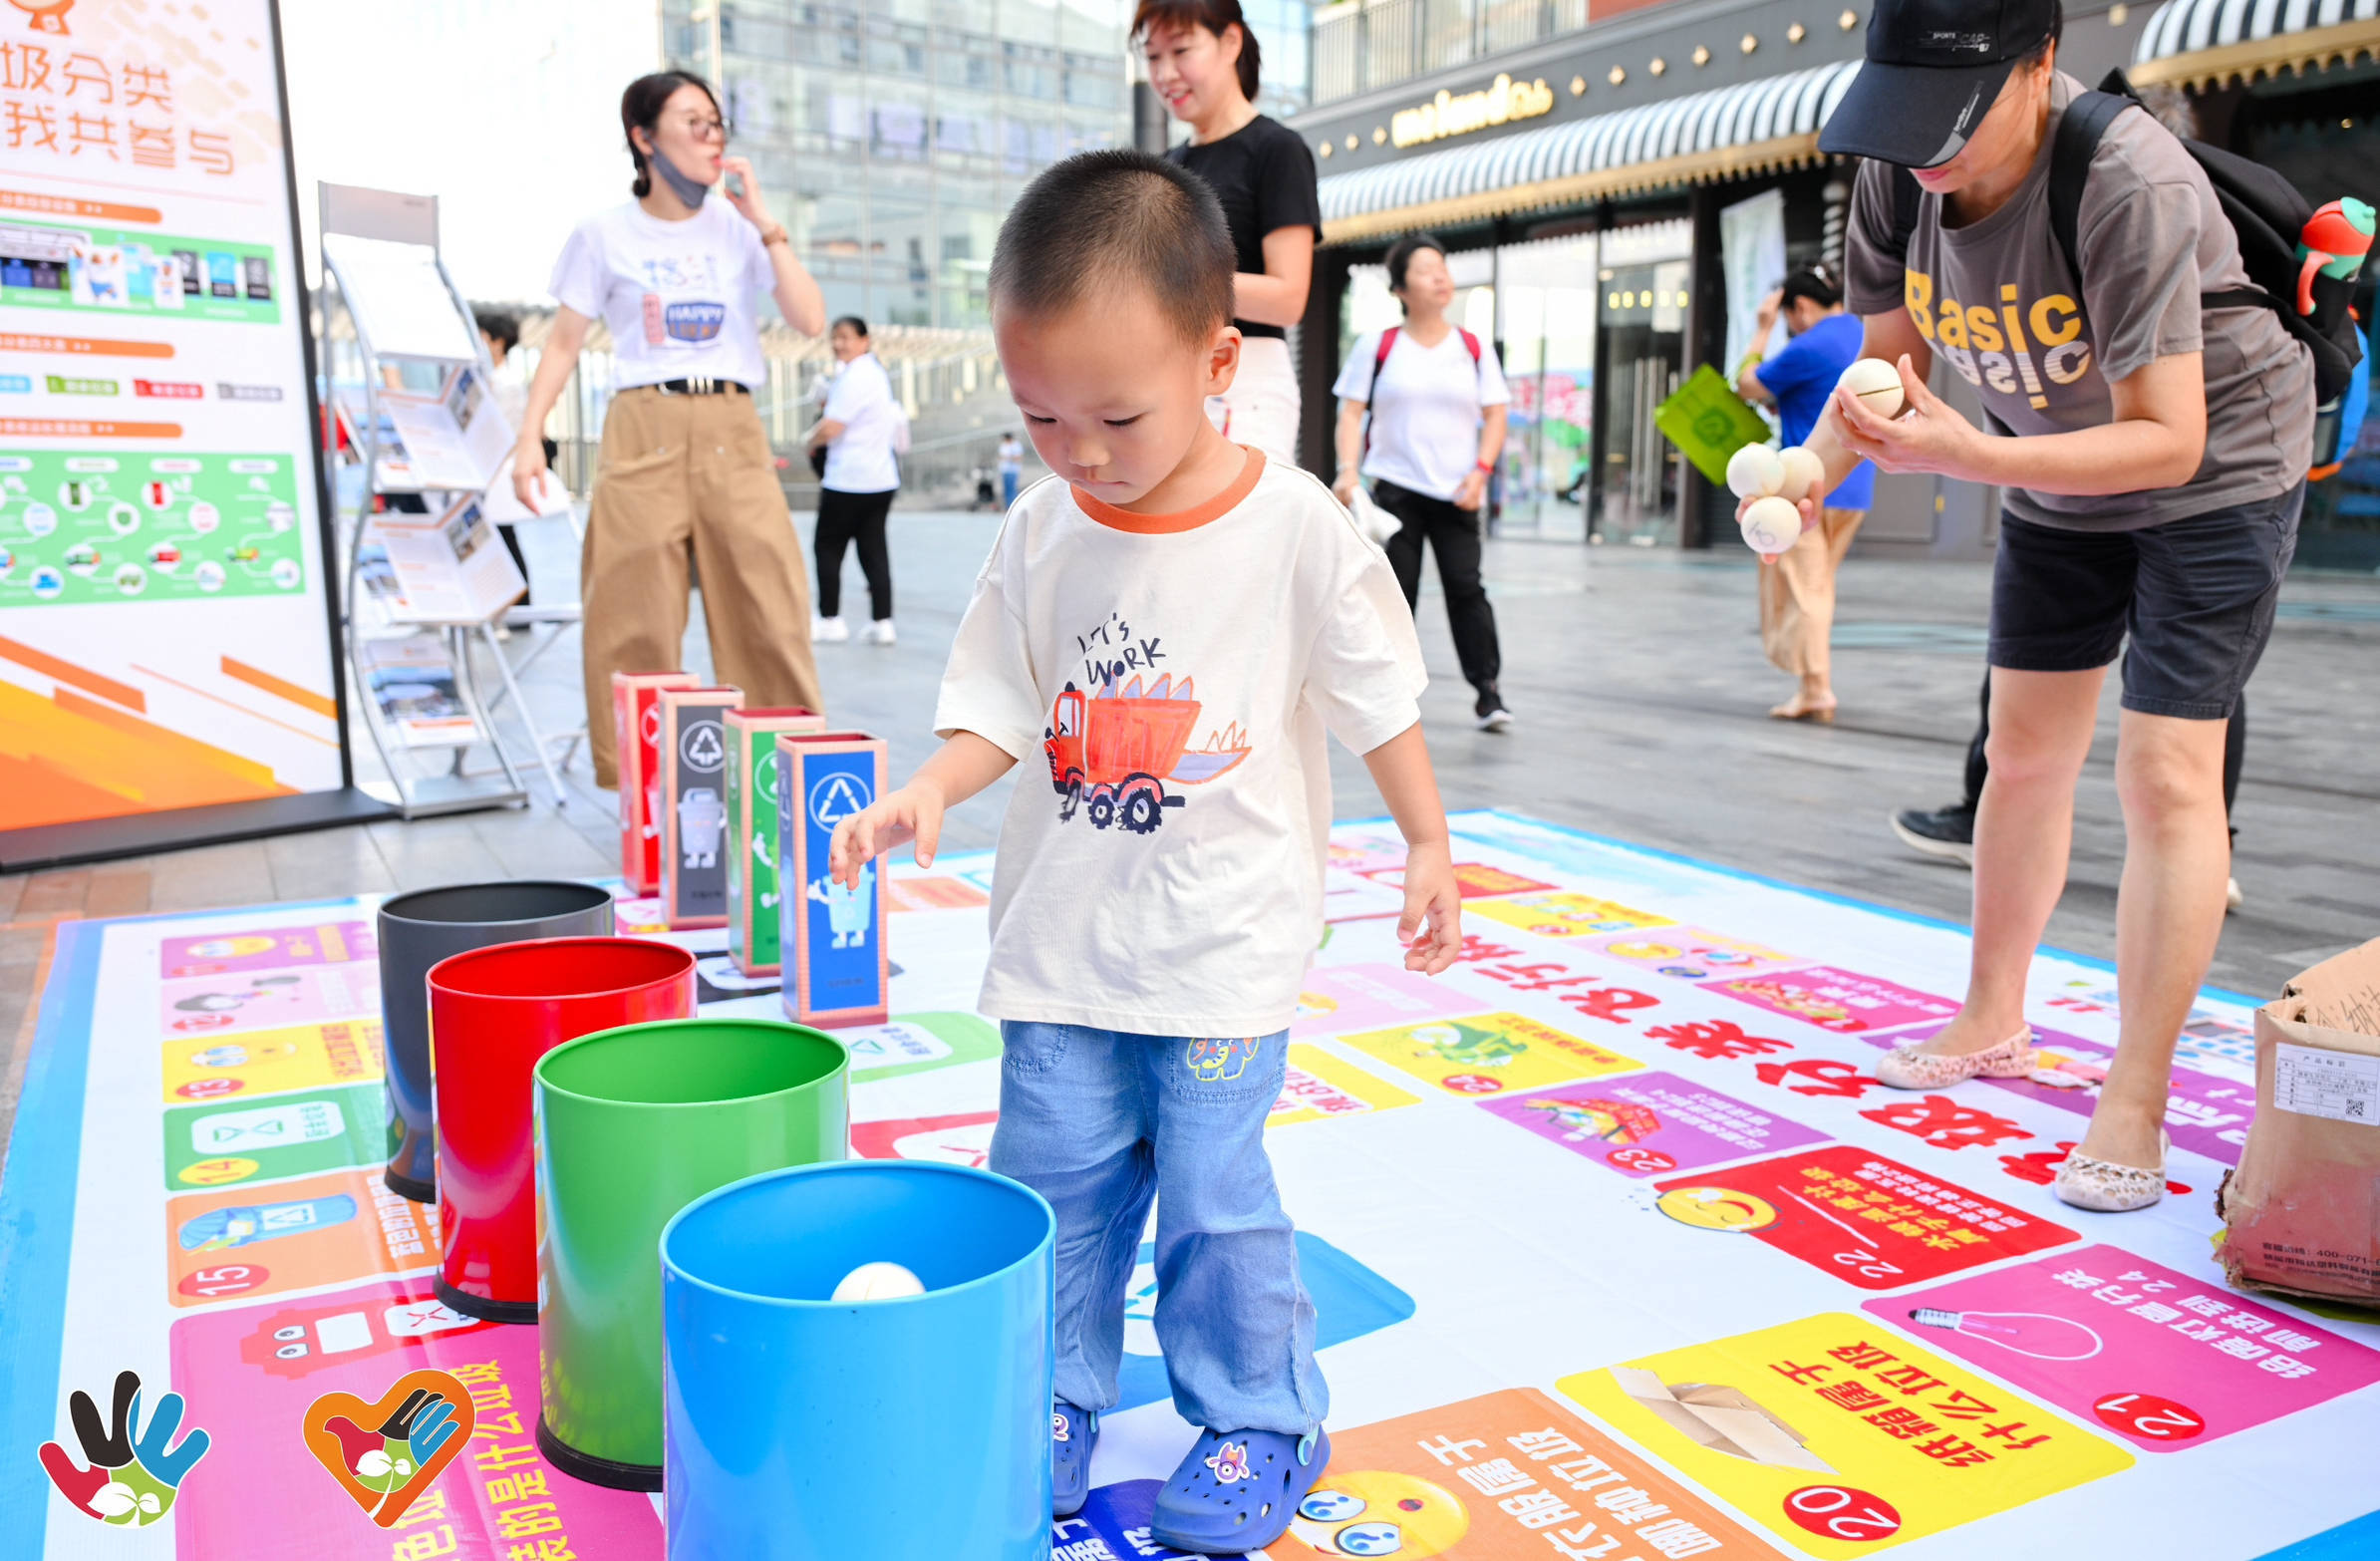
[1011,468]
[2152,420]
[1797,592]
[1203,61]
[1421,414]
[685,479]
[858,430]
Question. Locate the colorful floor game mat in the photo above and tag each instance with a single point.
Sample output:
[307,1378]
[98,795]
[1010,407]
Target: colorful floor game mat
[1618,1248]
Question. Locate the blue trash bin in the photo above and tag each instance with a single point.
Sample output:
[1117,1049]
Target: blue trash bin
[800,1428]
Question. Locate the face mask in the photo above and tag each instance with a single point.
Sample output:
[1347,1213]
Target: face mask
[687,189]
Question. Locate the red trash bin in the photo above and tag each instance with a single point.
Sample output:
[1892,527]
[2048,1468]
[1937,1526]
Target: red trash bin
[493,1012]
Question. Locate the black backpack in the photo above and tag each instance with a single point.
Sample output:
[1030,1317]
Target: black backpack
[2266,210]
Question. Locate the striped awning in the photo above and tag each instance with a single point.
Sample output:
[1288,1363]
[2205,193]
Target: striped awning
[1753,127]
[2206,43]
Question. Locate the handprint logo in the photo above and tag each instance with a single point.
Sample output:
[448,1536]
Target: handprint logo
[133,1474]
[386,1453]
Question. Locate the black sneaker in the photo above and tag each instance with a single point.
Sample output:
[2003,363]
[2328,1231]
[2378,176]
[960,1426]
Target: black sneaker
[1493,716]
[1947,832]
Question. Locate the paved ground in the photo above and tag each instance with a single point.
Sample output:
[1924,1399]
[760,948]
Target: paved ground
[1642,693]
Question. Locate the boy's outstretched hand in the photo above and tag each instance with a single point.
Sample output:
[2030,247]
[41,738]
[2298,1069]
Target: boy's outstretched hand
[913,814]
[1433,898]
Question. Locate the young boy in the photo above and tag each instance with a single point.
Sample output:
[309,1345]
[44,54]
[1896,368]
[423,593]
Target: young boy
[1167,625]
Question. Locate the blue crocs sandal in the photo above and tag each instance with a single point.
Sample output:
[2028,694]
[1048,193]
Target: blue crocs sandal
[1237,1491]
[1073,1434]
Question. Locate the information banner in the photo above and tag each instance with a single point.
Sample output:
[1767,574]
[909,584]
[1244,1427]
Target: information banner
[166,625]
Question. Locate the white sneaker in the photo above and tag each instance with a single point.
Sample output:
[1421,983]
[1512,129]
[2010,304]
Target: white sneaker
[880,632]
[2233,899]
[829,631]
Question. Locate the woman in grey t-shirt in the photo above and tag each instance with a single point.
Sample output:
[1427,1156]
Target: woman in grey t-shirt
[2152,457]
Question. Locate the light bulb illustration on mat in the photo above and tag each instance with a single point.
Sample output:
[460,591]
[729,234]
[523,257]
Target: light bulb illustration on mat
[2036,1334]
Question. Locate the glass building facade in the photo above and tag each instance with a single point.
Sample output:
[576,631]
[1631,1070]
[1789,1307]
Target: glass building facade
[890,135]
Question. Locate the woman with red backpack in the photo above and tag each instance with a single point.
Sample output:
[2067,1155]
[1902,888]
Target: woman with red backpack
[1421,409]
[2151,417]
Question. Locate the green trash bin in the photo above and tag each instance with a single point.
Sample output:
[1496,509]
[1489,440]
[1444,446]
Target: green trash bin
[633,1125]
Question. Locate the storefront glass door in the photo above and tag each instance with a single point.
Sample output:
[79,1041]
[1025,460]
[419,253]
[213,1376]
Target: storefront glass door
[1641,354]
[1546,295]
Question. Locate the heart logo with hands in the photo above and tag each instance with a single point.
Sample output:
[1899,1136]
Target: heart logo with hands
[134,1475]
[386,1453]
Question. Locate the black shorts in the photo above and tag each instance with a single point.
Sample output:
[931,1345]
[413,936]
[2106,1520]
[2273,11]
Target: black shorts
[2195,595]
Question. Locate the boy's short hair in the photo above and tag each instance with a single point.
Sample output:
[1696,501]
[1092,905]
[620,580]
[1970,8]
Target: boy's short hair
[1117,216]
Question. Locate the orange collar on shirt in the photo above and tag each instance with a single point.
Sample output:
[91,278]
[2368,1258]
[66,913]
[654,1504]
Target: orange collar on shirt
[1182,520]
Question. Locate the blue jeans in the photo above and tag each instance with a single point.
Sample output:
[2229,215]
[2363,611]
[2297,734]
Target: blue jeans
[1008,489]
[1100,1123]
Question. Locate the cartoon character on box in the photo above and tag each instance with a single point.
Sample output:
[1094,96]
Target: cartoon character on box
[1378,1513]
[1466,1044]
[301,1338]
[702,820]
[849,912]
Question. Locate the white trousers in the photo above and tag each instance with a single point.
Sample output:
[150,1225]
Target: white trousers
[1260,407]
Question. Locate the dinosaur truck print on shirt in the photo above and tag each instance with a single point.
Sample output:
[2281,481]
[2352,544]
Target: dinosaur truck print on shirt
[1111,753]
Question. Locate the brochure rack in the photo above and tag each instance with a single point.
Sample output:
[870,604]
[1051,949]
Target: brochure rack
[382,273]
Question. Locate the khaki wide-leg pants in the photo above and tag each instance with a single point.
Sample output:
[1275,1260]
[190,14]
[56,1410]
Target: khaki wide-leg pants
[1797,595]
[680,477]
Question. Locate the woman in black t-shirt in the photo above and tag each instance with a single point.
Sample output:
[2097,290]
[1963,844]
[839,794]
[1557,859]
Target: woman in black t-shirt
[1202,61]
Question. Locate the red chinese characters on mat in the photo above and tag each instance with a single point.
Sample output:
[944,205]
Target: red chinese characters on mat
[1871,1222]
[1575,990]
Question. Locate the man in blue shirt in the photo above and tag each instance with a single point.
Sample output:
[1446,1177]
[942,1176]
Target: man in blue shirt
[1797,595]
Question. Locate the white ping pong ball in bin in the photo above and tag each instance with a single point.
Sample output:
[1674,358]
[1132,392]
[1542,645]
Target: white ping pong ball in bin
[878,1282]
[1772,526]
[1877,383]
[1754,471]
[1805,475]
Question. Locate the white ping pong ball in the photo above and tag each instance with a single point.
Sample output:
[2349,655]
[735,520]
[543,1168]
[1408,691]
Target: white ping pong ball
[878,1282]
[1772,526]
[1877,383]
[1754,472]
[1805,475]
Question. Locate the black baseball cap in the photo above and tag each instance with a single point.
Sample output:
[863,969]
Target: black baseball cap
[1933,70]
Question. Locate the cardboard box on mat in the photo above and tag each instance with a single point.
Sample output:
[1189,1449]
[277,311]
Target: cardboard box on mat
[693,820]
[636,739]
[2304,1208]
[1722,1418]
[752,764]
[833,938]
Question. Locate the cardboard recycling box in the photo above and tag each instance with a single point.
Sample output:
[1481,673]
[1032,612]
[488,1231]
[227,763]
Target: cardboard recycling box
[636,739]
[2304,1208]
[833,938]
[1722,1418]
[752,765]
[694,816]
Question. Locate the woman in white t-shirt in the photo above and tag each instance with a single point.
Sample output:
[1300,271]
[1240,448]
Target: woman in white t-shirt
[686,481]
[856,486]
[1437,398]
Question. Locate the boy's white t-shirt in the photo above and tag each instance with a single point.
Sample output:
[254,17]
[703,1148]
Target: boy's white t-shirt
[1425,409]
[681,298]
[1191,663]
[860,398]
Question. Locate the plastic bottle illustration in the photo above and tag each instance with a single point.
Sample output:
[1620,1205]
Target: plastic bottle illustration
[2034,1333]
[219,1229]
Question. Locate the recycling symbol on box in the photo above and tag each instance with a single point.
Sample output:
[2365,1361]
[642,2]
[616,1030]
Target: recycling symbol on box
[701,747]
[837,797]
